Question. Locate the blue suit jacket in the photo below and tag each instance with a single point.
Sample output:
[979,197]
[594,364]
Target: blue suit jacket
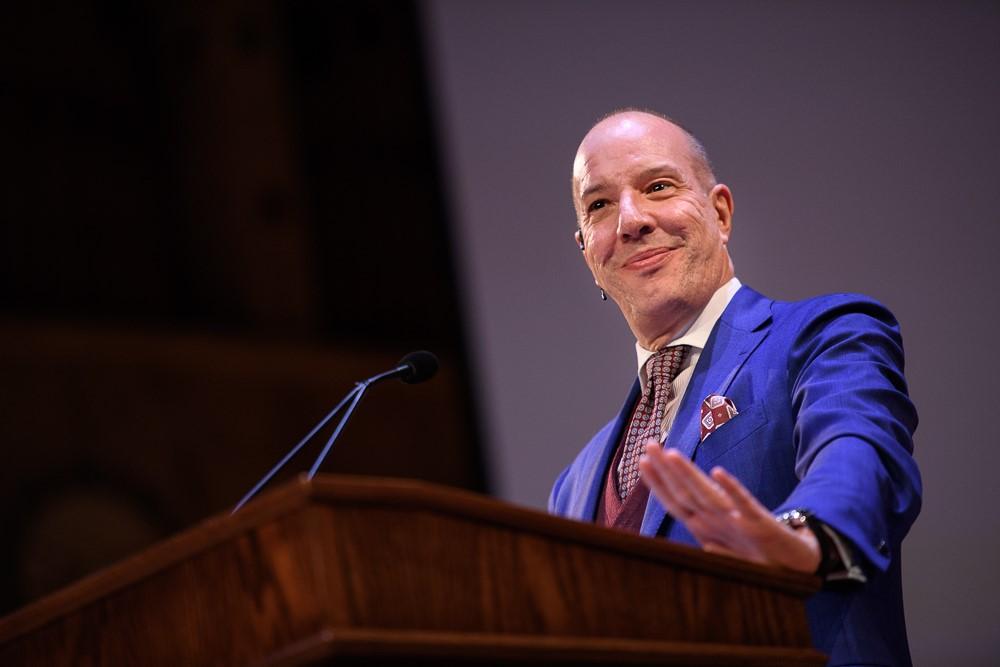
[824,424]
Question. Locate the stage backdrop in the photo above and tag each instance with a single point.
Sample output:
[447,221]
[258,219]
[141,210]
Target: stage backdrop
[860,141]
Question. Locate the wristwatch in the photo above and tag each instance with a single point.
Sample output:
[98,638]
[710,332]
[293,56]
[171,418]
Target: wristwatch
[829,555]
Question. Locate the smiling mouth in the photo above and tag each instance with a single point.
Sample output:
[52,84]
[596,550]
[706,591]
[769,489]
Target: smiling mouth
[647,258]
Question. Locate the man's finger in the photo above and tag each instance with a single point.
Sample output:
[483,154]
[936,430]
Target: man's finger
[655,476]
[659,481]
[743,500]
[681,476]
[703,492]
[680,484]
[718,548]
[750,555]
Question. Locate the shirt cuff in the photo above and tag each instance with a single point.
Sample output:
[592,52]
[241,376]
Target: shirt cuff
[841,564]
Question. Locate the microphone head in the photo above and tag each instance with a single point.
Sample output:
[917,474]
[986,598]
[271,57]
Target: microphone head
[421,365]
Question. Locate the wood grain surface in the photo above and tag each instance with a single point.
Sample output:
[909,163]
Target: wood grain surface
[355,567]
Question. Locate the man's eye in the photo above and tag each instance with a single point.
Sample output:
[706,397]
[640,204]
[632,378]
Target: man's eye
[659,187]
[597,205]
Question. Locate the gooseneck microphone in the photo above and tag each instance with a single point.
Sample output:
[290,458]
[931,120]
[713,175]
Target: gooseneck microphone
[413,368]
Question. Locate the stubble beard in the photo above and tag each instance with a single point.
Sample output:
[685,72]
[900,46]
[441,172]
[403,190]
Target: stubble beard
[676,298]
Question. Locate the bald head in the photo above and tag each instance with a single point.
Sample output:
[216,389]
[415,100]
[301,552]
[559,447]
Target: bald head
[630,121]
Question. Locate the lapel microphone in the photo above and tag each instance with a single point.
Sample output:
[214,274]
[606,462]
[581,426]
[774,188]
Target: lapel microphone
[414,368]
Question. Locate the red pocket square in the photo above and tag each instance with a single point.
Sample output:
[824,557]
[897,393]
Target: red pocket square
[716,410]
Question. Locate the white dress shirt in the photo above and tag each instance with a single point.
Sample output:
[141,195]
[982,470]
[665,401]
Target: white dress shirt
[696,335]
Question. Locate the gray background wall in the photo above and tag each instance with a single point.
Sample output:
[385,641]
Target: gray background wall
[860,140]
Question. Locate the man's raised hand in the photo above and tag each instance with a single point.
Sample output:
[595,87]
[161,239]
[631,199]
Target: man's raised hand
[722,515]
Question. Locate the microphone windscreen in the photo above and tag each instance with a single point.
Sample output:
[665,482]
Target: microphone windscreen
[422,366]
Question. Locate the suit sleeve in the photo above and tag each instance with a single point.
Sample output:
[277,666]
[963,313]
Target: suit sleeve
[853,426]
[557,504]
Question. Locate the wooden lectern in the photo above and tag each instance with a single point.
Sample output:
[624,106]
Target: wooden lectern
[341,571]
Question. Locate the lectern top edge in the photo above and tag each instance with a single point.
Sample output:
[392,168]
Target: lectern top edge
[414,494]
[401,495]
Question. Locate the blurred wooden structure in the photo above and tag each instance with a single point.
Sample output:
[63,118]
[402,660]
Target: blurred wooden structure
[117,438]
[203,246]
[344,570]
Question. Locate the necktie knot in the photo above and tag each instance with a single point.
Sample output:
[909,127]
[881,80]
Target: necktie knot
[662,368]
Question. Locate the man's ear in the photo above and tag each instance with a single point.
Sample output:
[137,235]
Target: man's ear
[578,235]
[722,201]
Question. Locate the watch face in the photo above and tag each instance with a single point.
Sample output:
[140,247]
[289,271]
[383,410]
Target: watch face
[795,518]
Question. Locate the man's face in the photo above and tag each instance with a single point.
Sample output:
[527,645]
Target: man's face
[654,232]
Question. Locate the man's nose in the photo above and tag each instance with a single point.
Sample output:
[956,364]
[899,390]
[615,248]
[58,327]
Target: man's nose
[633,220]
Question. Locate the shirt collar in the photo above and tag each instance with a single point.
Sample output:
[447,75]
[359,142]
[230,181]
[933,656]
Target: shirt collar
[697,332]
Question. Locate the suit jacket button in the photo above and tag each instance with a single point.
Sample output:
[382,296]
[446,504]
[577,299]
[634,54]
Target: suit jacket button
[883,548]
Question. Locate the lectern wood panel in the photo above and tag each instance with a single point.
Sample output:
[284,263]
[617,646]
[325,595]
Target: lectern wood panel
[406,562]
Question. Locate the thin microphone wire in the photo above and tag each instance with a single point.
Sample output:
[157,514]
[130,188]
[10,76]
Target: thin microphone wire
[359,392]
[295,450]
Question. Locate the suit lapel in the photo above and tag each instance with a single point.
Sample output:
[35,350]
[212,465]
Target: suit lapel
[740,329]
[586,503]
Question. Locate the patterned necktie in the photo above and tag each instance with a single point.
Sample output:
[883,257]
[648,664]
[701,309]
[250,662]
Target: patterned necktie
[661,369]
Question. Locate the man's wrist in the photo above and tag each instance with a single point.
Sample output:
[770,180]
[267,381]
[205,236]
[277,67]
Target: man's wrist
[804,524]
[837,562]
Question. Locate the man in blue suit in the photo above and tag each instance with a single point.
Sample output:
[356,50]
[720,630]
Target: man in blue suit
[772,431]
